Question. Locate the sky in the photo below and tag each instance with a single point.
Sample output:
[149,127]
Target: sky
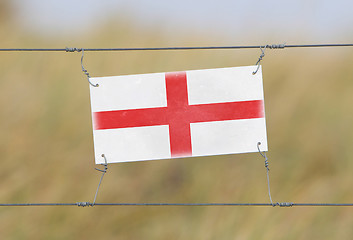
[314,20]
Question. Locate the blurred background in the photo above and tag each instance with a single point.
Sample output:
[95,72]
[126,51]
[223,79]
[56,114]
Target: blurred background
[46,137]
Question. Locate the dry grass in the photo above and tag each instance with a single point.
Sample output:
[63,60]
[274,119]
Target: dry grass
[47,149]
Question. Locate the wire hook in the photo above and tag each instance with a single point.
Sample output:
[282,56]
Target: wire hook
[263,154]
[260,59]
[103,172]
[86,72]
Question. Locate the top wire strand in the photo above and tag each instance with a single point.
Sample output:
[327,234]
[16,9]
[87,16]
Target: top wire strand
[272,46]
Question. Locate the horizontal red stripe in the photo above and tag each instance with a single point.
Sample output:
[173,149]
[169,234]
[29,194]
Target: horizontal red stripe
[130,118]
[226,111]
[190,114]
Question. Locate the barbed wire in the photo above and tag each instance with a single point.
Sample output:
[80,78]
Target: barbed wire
[271,46]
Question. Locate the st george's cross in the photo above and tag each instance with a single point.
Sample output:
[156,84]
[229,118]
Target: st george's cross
[178,114]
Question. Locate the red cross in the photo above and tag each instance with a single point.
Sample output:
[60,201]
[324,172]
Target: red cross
[178,114]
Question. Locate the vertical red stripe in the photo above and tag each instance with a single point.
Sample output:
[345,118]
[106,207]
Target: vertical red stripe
[179,125]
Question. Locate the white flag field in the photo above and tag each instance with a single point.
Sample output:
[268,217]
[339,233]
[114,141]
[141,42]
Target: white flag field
[178,114]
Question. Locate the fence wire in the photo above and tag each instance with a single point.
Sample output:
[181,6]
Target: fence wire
[89,204]
[270,46]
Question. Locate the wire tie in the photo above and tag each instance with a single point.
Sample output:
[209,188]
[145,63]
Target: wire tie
[277,46]
[84,204]
[263,154]
[284,204]
[260,59]
[273,46]
[103,172]
[68,49]
[85,71]
[105,164]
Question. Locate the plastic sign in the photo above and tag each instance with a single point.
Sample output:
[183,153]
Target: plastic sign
[178,114]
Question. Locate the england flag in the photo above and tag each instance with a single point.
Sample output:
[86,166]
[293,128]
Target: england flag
[178,114]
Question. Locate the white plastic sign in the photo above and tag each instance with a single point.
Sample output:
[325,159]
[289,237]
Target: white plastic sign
[179,114]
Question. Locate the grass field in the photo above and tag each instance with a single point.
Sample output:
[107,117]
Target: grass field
[47,148]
